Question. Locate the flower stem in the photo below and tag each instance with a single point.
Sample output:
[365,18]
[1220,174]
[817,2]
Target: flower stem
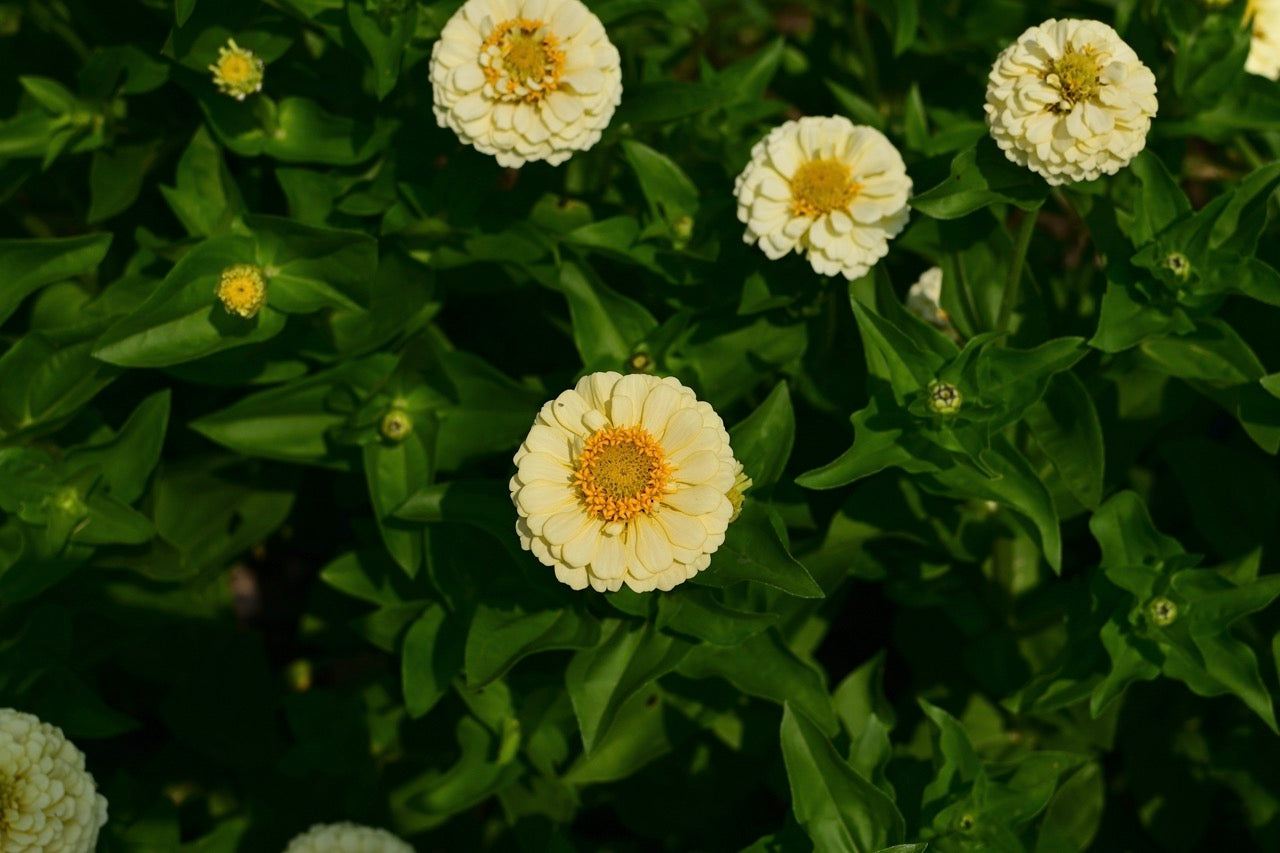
[1014,280]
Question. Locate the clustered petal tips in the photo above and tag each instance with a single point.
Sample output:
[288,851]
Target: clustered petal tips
[826,187]
[626,480]
[525,79]
[924,299]
[1070,101]
[238,71]
[48,801]
[346,838]
[1264,41]
[242,289]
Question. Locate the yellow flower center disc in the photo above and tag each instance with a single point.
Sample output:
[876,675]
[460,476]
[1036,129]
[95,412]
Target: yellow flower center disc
[523,60]
[621,473]
[242,289]
[235,68]
[821,186]
[1077,75]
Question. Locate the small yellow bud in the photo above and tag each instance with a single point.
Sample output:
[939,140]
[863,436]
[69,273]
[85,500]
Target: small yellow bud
[741,482]
[69,502]
[1162,611]
[640,362]
[396,425]
[238,72]
[243,289]
[944,398]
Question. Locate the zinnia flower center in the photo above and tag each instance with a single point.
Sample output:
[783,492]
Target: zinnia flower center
[621,473]
[235,68]
[1077,76]
[521,60]
[242,289]
[821,186]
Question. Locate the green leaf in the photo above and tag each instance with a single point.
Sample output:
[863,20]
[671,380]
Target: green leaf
[1065,424]
[430,657]
[385,34]
[763,666]
[1127,536]
[204,196]
[291,421]
[27,265]
[1161,203]
[127,459]
[369,575]
[839,809]
[666,101]
[670,193]
[698,613]
[183,319]
[601,679]
[501,636]
[42,383]
[753,551]
[981,176]
[116,177]
[393,472]
[762,441]
[606,325]
[182,10]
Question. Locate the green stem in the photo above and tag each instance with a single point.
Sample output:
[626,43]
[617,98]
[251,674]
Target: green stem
[1250,154]
[1014,279]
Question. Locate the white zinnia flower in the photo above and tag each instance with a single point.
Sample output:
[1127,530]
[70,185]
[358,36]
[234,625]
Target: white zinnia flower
[924,299]
[525,79]
[346,838]
[1070,101]
[48,801]
[1264,45]
[625,479]
[827,187]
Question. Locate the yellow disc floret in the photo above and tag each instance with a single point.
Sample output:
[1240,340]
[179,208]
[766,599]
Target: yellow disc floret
[522,60]
[741,482]
[238,72]
[621,473]
[821,186]
[243,289]
[1077,75]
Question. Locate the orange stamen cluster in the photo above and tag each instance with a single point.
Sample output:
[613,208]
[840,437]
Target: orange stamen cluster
[621,473]
[522,61]
[821,186]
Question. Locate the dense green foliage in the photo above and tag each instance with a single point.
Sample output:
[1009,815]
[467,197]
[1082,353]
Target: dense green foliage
[1026,627]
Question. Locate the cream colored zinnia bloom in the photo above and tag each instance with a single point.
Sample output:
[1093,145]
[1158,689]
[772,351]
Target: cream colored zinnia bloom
[238,71]
[1070,101]
[826,187]
[1264,44]
[48,801]
[625,479]
[346,838]
[924,299]
[525,79]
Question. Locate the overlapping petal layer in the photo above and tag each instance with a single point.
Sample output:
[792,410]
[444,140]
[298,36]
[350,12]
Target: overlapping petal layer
[1070,101]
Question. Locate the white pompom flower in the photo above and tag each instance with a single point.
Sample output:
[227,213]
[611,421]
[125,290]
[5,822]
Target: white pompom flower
[346,838]
[1264,42]
[48,800]
[827,187]
[525,80]
[1070,101]
[625,480]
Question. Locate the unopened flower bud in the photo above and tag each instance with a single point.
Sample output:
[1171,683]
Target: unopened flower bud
[396,425]
[243,289]
[1162,611]
[944,398]
[640,362]
[238,71]
[1177,263]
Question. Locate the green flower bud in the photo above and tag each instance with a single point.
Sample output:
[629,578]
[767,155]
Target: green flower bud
[944,398]
[1177,263]
[640,362]
[1162,611]
[396,425]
